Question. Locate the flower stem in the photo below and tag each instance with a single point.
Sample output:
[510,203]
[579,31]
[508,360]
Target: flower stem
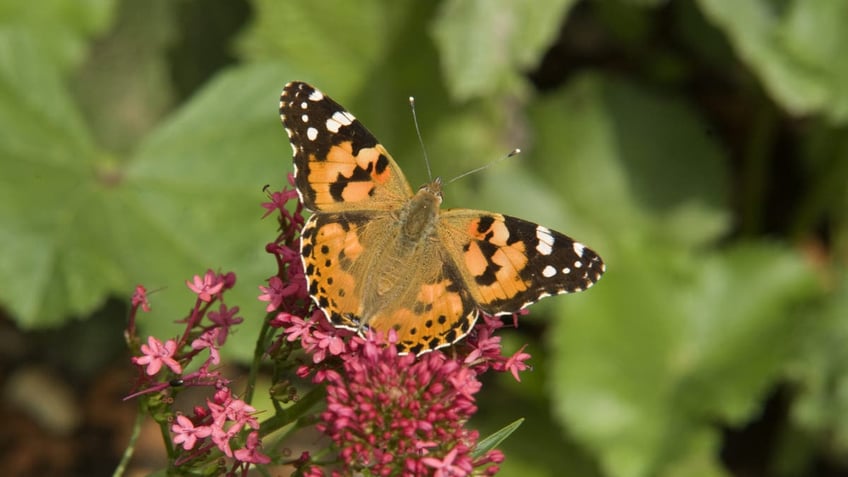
[128,452]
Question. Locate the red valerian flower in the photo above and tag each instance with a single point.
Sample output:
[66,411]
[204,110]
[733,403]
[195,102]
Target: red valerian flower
[401,414]
[211,284]
[186,434]
[156,354]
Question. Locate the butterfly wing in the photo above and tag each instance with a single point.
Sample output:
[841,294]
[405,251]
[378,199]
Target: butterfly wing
[509,263]
[339,164]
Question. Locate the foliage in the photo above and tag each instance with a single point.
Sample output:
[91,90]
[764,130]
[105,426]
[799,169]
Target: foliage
[699,146]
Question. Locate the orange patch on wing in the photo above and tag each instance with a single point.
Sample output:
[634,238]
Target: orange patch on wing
[437,294]
[356,191]
[511,260]
[352,246]
[339,241]
[475,261]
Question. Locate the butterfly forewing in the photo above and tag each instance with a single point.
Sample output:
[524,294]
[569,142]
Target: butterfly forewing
[339,164]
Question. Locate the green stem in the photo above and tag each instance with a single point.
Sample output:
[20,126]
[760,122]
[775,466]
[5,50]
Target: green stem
[258,352]
[293,412]
[128,452]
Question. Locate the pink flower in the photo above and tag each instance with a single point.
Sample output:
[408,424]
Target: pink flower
[516,363]
[139,298]
[278,201]
[186,433]
[156,354]
[225,318]
[211,284]
[209,339]
[252,451]
[327,342]
[276,292]
[447,466]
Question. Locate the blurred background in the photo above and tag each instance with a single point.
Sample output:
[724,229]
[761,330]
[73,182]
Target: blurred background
[700,146]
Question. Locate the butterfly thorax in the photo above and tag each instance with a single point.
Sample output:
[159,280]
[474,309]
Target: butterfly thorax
[419,216]
[398,259]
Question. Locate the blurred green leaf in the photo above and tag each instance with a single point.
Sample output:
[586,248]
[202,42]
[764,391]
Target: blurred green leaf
[795,47]
[46,161]
[668,343]
[636,165]
[58,29]
[485,46]
[336,41]
[821,371]
[84,224]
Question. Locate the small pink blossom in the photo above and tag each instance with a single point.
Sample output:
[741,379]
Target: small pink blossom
[209,339]
[448,467]
[186,434]
[252,451]
[278,201]
[276,292]
[155,354]
[225,318]
[211,284]
[516,363]
[139,298]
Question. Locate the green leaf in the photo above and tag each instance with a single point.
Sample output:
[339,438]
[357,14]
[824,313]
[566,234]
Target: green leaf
[59,29]
[46,162]
[193,189]
[486,46]
[667,344]
[795,48]
[84,224]
[640,166]
[494,440]
[336,41]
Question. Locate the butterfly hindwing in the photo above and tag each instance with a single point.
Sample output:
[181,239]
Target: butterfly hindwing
[339,164]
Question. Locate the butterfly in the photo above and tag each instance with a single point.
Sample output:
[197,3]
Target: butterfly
[378,255]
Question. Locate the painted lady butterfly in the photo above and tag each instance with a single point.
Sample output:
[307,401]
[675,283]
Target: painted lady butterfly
[378,255]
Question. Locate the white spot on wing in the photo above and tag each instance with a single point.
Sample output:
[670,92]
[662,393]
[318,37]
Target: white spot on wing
[578,264]
[311,133]
[316,96]
[344,117]
[303,105]
[548,271]
[566,270]
[294,150]
[305,118]
[546,241]
[339,119]
[578,248]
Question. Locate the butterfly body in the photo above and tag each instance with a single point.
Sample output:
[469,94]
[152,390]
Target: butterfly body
[377,255]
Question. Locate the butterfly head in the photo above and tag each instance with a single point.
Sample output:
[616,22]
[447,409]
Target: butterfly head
[433,188]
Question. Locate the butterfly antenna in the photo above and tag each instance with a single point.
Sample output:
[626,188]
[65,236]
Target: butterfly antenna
[514,152]
[420,140]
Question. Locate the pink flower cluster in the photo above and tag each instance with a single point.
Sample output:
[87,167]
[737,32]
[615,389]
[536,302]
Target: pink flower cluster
[221,422]
[226,423]
[403,415]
